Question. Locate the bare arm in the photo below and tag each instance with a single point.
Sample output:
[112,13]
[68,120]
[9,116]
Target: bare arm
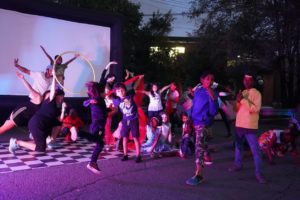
[72,59]
[21,68]
[104,72]
[164,88]
[170,136]
[46,53]
[107,67]
[52,89]
[128,74]
[32,91]
[63,110]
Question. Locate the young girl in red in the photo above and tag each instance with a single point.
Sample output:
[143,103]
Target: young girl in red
[71,124]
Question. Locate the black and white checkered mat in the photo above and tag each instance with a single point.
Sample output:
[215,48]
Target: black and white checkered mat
[66,153]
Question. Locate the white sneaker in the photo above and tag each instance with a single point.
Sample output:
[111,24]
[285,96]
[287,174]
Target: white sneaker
[73,136]
[13,146]
[93,167]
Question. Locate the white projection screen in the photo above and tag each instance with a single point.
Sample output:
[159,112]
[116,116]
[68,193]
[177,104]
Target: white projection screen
[21,37]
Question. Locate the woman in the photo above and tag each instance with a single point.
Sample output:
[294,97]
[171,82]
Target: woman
[40,125]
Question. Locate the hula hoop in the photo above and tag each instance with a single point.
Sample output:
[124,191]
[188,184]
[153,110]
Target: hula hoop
[80,55]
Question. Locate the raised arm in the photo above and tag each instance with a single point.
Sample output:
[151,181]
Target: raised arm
[52,89]
[164,88]
[107,68]
[72,59]
[128,74]
[35,95]
[63,110]
[137,82]
[46,53]
[21,68]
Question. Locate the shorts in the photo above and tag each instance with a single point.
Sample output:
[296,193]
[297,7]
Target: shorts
[130,126]
[22,114]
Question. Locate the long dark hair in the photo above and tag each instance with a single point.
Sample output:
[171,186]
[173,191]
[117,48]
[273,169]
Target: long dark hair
[151,90]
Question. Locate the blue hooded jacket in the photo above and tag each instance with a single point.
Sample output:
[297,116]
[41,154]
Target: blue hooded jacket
[204,108]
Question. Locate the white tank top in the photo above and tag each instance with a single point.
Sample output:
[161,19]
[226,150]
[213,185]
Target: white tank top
[155,102]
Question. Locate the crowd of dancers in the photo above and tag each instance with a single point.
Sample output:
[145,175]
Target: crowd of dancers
[174,124]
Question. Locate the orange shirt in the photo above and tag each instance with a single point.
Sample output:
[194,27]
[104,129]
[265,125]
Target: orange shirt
[248,111]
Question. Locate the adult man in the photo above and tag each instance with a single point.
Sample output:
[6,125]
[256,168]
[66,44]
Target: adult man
[41,80]
[248,105]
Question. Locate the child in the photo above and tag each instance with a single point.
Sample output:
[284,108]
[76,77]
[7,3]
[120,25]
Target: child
[155,102]
[130,121]
[156,142]
[153,132]
[205,107]
[60,67]
[166,134]
[112,110]
[71,124]
[278,142]
[97,126]
[187,146]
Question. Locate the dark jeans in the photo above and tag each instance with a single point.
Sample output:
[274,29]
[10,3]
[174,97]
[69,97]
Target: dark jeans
[250,136]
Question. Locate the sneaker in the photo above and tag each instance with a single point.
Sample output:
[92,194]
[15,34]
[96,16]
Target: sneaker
[73,136]
[93,167]
[30,136]
[235,169]
[195,180]
[13,146]
[124,158]
[208,160]
[48,140]
[138,159]
[261,179]
[52,144]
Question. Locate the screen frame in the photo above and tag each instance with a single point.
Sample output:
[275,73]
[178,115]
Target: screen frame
[54,10]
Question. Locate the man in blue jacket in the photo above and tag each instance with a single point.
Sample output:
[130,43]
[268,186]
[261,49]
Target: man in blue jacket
[205,107]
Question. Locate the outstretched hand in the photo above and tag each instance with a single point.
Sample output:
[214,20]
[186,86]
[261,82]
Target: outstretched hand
[16,62]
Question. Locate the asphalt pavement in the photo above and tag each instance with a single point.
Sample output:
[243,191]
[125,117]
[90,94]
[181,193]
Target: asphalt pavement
[161,178]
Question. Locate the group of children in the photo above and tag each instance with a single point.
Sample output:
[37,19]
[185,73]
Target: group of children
[106,99]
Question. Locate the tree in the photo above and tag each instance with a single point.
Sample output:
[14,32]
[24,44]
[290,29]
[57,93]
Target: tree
[156,63]
[265,33]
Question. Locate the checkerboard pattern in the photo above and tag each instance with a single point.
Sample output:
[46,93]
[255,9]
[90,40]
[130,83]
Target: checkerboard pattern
[66,153]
